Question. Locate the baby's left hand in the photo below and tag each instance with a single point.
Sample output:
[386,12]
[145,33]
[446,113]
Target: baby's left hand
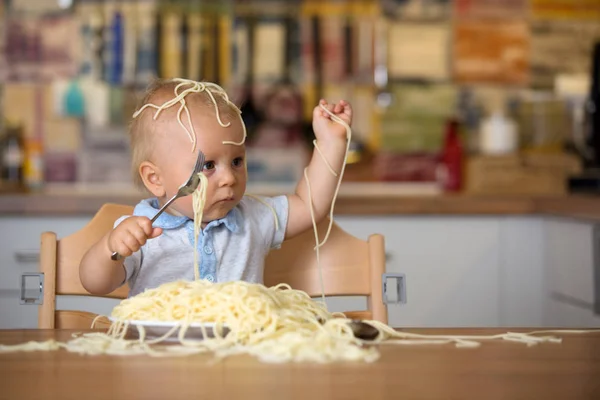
[325,127]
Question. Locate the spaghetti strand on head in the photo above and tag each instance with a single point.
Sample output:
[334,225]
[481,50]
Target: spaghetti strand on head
[195,87]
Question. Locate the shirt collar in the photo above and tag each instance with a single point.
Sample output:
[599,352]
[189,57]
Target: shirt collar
[149,207]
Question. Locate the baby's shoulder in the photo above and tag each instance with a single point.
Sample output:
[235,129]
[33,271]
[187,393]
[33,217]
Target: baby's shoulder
[264,215]
[262,210]
[256,205]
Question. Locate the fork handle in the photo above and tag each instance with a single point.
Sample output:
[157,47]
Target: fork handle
[163,208]
[116,256]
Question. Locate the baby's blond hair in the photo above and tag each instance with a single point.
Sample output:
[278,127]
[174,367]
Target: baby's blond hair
[141,129]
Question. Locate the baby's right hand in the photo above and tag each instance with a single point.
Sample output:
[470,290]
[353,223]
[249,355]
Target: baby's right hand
[131,234]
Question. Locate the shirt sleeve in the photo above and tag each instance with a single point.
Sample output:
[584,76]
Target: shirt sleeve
[271,214]
[133,262]
[280,205]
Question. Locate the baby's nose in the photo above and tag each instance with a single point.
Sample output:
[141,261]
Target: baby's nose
[227,177]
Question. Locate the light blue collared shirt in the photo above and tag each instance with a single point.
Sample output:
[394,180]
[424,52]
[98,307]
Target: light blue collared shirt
[231,248]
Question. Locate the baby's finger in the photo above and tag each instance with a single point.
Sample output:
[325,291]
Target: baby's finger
[155,232]
[331,108]
[121,248]
[339,107]
[347,109]
[132,243]
[145,224]
[140,235]
[318,110]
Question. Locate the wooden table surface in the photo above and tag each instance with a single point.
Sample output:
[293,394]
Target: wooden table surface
[496,370]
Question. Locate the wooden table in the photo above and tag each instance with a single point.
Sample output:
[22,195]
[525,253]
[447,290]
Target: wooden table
[496,370]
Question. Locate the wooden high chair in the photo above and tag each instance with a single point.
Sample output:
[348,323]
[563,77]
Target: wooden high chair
[351,267]
[59,264]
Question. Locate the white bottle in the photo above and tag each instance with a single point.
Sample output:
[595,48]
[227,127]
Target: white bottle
[498,135]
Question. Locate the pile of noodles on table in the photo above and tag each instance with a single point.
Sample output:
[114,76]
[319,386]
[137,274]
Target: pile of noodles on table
[276,324]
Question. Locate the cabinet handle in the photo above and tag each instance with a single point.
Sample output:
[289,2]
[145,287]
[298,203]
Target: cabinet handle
[27,256]
[400,288]
[39,299]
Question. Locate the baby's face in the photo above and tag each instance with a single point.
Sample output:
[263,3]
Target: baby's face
[225,165]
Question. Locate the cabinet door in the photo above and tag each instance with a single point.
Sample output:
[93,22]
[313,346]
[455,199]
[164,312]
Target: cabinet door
[570,268]
[521,273]
[13,315]
[19,253]
[21,243]
[451,267]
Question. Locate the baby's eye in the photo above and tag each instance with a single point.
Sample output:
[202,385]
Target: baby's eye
[238,162]
[209,165]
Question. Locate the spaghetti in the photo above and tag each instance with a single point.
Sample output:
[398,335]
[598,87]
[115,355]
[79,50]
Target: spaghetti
[276,324]
[198,201]
[194,87]
[337,188]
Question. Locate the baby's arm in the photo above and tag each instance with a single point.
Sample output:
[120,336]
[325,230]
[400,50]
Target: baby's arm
[332,140]
[99,274]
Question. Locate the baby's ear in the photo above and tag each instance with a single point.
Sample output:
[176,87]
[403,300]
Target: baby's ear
[150,175]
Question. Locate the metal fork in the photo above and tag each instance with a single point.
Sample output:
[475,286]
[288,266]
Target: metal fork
[184,190]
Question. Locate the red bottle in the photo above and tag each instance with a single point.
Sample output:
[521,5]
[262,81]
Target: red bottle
[451,158]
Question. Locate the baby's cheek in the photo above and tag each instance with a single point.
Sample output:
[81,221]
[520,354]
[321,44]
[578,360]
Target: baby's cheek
[242,173]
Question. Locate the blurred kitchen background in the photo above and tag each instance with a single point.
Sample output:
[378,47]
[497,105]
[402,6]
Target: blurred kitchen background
[473,96]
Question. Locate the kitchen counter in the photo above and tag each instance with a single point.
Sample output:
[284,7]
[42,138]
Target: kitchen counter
[353,199]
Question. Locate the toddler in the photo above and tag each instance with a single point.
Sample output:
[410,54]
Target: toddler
[177,119]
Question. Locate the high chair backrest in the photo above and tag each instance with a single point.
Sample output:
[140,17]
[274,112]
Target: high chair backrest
[59,262]
[350,267]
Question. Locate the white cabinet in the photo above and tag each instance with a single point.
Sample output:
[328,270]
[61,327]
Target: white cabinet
[489,271]
[572,279]
[18,254]
[521,272]
[479,271]
[451,266]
